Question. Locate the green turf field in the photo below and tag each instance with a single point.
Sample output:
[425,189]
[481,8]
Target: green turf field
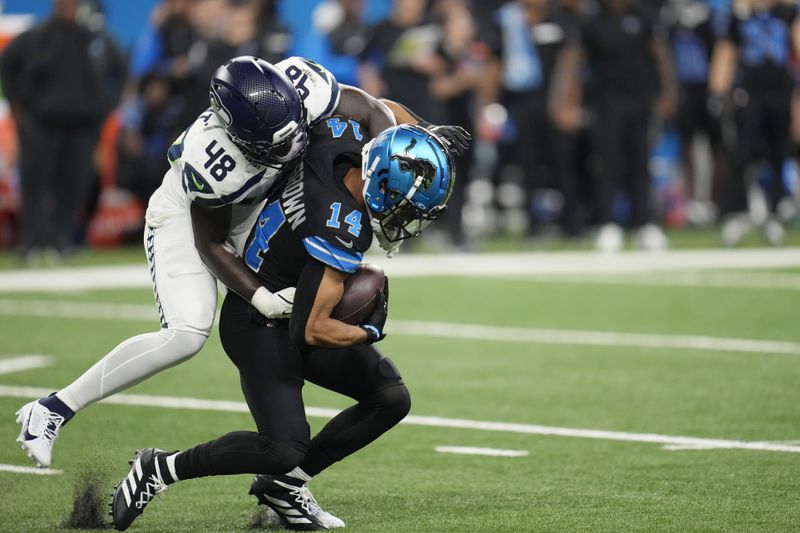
[617,482]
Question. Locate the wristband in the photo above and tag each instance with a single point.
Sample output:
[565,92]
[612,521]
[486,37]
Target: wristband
[373,335]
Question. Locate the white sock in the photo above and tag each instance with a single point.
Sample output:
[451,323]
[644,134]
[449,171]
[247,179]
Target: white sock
[171,466]
[132,361]
[298,473]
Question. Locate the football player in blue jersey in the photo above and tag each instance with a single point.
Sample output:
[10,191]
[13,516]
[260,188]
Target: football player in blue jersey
[222,168]
[312,234]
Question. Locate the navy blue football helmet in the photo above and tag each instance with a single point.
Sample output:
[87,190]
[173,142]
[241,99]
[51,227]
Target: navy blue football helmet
[261,110]
[408,178]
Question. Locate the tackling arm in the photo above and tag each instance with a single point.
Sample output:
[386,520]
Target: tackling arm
[365,109]
[210,227]
[455,137]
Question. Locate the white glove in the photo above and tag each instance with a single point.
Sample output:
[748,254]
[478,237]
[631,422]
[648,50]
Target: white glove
[274,304]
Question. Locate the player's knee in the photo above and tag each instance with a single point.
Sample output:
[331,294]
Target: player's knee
[393,402]
[280,457]
[200,320]
[184,344]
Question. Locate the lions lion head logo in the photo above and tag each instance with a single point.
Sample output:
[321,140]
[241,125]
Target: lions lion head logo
[417,167]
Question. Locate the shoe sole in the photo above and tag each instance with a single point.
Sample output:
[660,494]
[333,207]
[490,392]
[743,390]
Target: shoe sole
[22,417]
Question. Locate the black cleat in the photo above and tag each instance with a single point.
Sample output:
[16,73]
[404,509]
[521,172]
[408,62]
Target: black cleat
[137,489]
[293,503]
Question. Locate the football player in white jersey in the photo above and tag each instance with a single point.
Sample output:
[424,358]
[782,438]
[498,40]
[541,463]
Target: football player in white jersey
[221,169]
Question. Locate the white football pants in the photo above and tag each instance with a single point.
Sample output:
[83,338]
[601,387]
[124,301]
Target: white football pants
[186,298]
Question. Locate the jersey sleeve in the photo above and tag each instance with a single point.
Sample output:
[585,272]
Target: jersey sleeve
[214,173]
[318,88]
[338,234]
[332,255]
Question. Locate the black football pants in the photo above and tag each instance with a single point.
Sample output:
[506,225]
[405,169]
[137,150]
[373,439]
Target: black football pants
[55,171]
[272,372]
[621,142]
[763,128]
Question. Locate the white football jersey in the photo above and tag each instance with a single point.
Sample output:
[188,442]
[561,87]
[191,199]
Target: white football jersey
[206,167]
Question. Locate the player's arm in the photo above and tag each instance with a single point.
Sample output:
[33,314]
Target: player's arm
[456,137]
[565,97]
[319,290]
[210,226]
[662,57]
[723,67]
[364,109]
[724,59]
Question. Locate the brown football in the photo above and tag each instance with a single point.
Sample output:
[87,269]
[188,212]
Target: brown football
[360,293]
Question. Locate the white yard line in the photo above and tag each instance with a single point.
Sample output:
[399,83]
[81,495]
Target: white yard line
[490,452]
[433,421]
[29,470]
[472,265]
[23,362]
[589,338]
[445,330]
[781,281]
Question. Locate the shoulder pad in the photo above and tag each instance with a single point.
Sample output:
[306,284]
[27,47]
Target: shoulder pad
[215,172]
[318,88]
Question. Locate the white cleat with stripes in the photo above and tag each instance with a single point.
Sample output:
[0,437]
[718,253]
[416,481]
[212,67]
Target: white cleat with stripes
[293,503]
[39,430]
[137,489]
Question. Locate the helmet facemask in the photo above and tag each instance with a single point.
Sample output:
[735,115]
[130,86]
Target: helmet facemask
[404,220]
[274,154]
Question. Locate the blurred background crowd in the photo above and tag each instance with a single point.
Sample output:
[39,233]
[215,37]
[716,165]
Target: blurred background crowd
[594,120]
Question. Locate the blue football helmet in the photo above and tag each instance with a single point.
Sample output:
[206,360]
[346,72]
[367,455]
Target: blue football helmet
[408,178]
[261,110]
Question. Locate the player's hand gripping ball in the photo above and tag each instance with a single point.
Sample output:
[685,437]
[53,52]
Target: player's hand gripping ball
[360,295]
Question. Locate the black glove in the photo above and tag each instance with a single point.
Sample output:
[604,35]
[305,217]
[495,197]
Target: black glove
[375,322]
[455,138]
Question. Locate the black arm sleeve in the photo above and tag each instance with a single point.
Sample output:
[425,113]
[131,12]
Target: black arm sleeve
[304,296]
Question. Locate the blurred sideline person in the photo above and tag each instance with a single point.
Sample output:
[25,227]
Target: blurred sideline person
[759,39]
[312,234]
[62,79]
[399,60]
[243,28]
[339,36]
[221,170]
[149,123]
[164,45]
[691,36]
[631,73]
[462,61]
[528,37]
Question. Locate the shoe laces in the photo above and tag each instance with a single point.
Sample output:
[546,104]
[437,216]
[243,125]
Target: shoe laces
[151,488]
[303,496]
[51,426]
